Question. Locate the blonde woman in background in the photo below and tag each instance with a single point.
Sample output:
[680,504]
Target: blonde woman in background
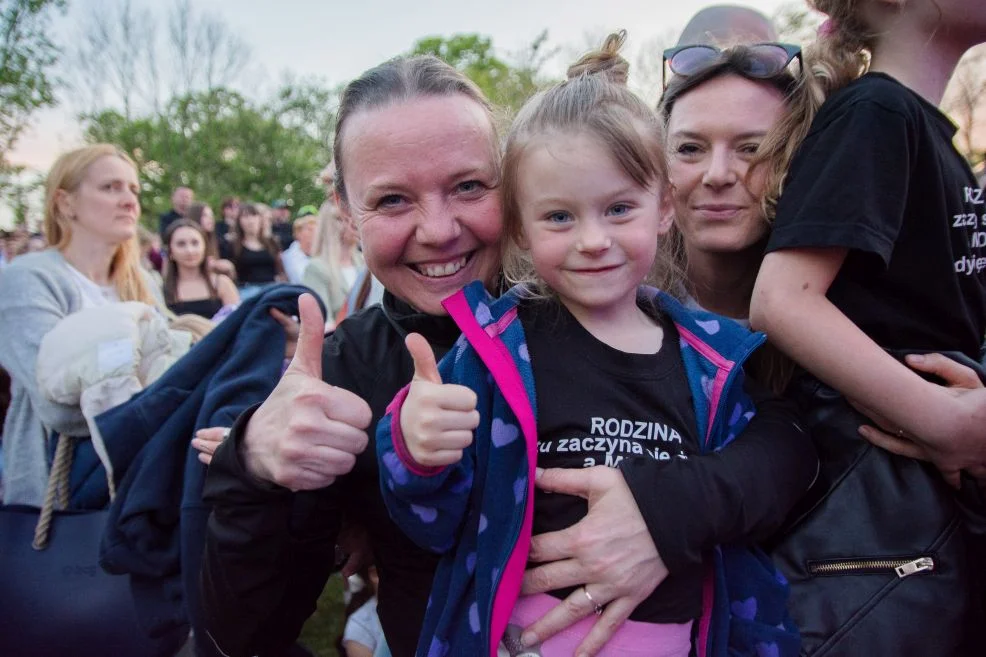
[336,262]
[92,207]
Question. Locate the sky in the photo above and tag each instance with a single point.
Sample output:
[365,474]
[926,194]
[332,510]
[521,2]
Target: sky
[336,40]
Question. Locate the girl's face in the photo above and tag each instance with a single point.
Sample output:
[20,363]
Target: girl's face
[208,220]
[713,135]
[187,248]
[591,230]
[250,224]
[105,207]
[421,183]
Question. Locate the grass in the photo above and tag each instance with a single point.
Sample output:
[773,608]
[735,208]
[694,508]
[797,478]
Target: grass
[326,624]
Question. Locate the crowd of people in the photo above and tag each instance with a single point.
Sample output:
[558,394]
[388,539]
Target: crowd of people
[697,375]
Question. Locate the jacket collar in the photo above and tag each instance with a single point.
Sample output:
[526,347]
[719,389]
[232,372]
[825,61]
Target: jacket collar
[438,330]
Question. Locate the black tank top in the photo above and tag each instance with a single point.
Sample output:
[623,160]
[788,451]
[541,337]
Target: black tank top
[202,307]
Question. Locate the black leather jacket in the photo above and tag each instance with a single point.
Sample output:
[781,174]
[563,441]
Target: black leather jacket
[883,557]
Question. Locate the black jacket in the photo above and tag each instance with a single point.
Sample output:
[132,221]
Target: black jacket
[269,551]
[883,558]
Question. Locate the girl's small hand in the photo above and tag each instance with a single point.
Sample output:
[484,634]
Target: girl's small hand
[207,440]
[609,551]
[437,419]
[961,381]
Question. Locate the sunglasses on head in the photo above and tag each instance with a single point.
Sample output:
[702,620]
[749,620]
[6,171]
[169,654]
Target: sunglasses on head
[765,59]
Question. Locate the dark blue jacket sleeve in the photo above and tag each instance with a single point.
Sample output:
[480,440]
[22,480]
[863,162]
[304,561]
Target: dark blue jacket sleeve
[428,504]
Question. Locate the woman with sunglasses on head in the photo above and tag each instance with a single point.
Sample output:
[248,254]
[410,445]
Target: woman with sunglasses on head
[876,253]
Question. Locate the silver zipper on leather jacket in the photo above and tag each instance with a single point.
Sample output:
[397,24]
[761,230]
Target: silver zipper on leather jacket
[901,567]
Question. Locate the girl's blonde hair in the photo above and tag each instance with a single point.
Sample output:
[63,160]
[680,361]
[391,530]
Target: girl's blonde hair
[594,101]
[840,55]
[67,175]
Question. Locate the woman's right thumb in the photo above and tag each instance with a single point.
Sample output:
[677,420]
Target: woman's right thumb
[425,367]
[308,355]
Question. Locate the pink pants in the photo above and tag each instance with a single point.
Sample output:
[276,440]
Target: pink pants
[632,638]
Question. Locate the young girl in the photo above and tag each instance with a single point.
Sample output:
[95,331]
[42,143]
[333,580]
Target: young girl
[583,190]
[189,286]
[254,252]
[878,250]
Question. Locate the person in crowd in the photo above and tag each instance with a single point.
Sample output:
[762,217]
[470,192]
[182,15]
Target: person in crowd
[727,25]
[304,441]
[229,209]
[362,635]
[202,214]
[873,254]
[36,242]
[254,253]
[150,255]
[337,262]
[181,199]
[91,213]
[5,256]
[584,188]
[190,286]
[280,223]
[297,256]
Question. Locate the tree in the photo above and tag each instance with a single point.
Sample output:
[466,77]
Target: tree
[218,143]
[796,23]
[506,84]
[121,59]
[27,56]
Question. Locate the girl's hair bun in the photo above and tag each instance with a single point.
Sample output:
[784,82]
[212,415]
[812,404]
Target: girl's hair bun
[606,61]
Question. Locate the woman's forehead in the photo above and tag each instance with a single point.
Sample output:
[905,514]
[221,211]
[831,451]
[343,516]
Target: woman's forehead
[442,131]
[726,101]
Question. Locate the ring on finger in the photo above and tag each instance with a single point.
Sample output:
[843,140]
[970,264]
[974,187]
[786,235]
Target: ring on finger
[597,608]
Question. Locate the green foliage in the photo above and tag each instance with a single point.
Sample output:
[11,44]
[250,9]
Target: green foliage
[796,23]
[27,55]
[220,144]
[507,84]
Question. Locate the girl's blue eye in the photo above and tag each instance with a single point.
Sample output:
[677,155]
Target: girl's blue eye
[558,217]
[619,209]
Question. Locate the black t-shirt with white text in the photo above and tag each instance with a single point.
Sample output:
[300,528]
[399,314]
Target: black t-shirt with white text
[878,175]
[597,405]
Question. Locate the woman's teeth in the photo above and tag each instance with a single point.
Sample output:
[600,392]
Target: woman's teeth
[437,271]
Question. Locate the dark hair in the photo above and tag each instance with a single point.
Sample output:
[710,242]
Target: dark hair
[268,242]
[195,211]
[171,270]
[399,80]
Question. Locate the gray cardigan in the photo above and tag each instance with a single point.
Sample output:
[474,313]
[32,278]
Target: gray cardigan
[36,291]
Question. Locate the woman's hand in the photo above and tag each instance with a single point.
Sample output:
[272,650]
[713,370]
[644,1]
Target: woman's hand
[207,440]
[308,432]
[963,452]
[609,551]
[292,329]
